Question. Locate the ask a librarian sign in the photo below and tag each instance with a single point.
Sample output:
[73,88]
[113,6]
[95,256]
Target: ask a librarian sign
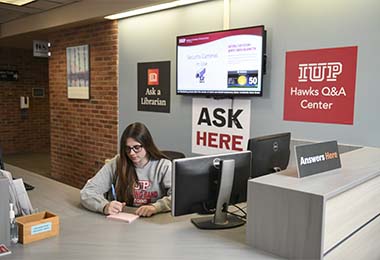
[320,85]
[153,92]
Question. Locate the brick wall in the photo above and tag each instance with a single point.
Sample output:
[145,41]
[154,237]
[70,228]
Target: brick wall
[28,130]
[84,132]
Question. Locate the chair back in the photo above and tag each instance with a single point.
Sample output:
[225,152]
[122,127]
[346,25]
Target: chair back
[173,154]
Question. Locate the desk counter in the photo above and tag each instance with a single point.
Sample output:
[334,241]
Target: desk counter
[332,215]
[88,235]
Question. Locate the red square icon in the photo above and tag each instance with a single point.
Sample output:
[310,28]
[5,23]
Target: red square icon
[153,77]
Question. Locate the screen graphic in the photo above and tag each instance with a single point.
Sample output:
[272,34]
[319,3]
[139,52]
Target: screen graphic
[224,62]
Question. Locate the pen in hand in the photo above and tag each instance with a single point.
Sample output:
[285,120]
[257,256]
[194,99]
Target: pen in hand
[113,207]
[113,191]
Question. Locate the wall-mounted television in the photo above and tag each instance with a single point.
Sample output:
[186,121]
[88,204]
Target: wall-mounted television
[229,62]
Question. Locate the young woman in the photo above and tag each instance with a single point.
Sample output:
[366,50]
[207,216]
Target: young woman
[139,176]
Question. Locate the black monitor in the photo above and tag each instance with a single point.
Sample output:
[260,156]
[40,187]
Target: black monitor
[208,184]
[269,153]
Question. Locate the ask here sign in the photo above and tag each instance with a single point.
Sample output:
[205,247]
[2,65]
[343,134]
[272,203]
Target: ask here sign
[220,125]
[320,85]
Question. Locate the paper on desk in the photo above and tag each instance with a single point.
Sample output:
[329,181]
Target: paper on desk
[23,197]
[4,250]
[127,217]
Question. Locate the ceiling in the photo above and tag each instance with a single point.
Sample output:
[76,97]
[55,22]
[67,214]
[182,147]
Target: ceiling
[20,25]
[10,12]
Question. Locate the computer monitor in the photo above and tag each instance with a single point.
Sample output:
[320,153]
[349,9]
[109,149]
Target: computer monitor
[208,184]
[269,153]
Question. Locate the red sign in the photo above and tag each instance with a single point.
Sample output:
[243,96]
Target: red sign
[153,77]
[320,85]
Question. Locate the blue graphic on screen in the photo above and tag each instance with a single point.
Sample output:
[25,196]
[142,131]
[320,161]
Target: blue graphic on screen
[201,75]
[243,78]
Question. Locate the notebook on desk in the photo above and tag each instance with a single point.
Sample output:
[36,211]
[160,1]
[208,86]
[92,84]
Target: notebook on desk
[4,250]
[123,216]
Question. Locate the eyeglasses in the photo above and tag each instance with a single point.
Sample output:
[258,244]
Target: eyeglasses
[135,148]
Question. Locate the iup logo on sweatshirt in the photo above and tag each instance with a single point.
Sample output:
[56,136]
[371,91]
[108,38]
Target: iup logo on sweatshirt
[143,185]
[144,193]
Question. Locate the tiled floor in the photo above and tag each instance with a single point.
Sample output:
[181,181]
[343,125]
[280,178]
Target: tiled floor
[35,162]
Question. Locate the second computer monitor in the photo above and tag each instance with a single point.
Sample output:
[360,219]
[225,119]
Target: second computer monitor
[200,183]
[269,153]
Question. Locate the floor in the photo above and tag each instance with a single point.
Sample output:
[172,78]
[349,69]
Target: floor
[35,162]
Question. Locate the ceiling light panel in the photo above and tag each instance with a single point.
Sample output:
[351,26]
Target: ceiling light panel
[152,9]
[17,2]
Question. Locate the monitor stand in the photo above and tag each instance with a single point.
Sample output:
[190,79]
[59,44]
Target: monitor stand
[221,219]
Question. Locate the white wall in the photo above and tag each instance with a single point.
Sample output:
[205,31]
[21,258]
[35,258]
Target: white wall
[291,25]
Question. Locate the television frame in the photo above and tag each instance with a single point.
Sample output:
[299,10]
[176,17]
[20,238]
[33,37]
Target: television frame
[228,94]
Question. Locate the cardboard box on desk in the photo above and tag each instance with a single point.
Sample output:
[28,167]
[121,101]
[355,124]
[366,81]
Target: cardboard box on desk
[37,226]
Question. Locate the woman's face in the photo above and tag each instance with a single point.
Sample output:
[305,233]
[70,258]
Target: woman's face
[136,152]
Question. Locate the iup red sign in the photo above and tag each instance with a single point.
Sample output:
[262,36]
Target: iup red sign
[320,85]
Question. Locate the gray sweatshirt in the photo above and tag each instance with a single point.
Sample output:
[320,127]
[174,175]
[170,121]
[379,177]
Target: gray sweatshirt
[154,186]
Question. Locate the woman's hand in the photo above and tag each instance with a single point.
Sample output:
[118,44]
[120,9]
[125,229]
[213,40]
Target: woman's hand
[146,211]
[113,207]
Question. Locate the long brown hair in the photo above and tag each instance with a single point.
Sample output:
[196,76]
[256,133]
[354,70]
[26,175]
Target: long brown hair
[125,171]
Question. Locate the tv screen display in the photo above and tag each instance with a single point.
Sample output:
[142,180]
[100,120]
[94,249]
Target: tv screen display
[221,63]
